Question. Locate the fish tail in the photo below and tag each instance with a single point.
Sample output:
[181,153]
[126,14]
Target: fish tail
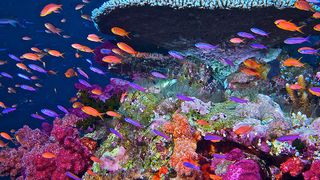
[127,35]
[299,29]
[100,116]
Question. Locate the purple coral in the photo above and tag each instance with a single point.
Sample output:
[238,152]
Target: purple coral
[244,169]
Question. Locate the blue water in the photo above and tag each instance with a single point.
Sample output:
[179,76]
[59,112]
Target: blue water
[27,12]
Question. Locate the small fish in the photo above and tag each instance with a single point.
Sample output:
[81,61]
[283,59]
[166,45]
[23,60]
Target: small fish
[308,50]
[258,46]
[81,72]
[2,105]
[123,97]
[159,133]
[37,116]
[10,22]
[79,6]
[184,98]
[63,109]
[116,133]
[26,38]
[120,32]
[111,59]
[97,70]
[205,46]
[252,64]
[82,48]
[229,62]
[55,53]
[317,27]
[23,76]
[14,57]
[27,87]
[53,29]
[2,144]
[117,51]
[95,159]
[38,85]
[202,122]
[23,67]
[94,38]
[3,62]
[6,136]
[219,156]
[296,40]
[238,100]
[70,73]
[91,111]
[48,155]
[37,68]
[72,176]
[291,62]
[159,75]
[176,54]
[84,82]
[243,129]
[250,72]
[35,49]
[7,75]
[49,113]
[105,51]
[126,48]
[246,35]
[137,87]
[86,17]
[77,105]
[31,56]
[259,32]
[113,114]
[287,25]
[303,5]
[295,86]
[50,8]
[96,91]
[63,20]
[212,137]
[315,91]
[133,122]
[192,166]
[288,138]
[236,40]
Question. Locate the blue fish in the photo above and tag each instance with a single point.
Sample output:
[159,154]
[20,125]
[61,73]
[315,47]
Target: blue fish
[24,76]
[259,32]
[158,75]
[105,51]
[184,98]
[205,46]
[63,109]
[116,133]
[27,87]
[8,110]
[49,113]
[97,70]
[85,83]
[192,166]
[37,116]
[14,57]
[133,122]
[176,54]
[7,75]
[11,22]
[137,87]
[212,137]
[238,100]
[72,176]
[80,71]
[37,68]
[159,133]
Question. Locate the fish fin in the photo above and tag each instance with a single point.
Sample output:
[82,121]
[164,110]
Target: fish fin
[308,39]
[127,35]
[299,29]
[299,58]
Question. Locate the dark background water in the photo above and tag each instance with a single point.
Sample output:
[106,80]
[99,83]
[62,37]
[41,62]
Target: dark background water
[27,12]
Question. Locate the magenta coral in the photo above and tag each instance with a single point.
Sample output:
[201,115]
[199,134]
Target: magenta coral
[314,172]
[293,166]
[244,169]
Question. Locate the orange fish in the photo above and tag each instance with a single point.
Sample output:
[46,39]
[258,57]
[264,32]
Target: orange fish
[18,139]
[31,56]
[35,49]
[50,8]
[250,72]
[55,53]
[94,38]
[123,97]
[202,122]
[113,114]
[303,5]
[215,177]
[2,144]
[295,86]
[126,48]
[291,62]
[6,136]
[79,6]
[91,111]
[96,91]
[111,59]
[317,27]
[73,99]
[86,17]
[252,64]
[82,48]
[236,40]
[70,73]
[316,15]
[77,55]
[314,92]
[243,129]
[287,25]
[95,159]
[162,170]
[77,105]
[117,51]
[48,155]
[120,32]
[34,77]
[91,173]
[53,29]
[2,105]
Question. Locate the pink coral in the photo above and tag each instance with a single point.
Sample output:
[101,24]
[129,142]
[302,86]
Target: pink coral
[244,169]
[293,166]
[314,172]
[184,144]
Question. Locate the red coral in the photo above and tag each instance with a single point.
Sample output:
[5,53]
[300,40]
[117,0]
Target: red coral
[293,166]
[314,172]
[184,144]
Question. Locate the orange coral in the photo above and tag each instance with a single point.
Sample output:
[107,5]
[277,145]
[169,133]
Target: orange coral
[185,144]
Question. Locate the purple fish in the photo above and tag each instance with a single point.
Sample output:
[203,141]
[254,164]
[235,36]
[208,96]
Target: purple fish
[159,75]
[37,116]
[229,61]
[14,57]
[49,113]
[24,76]
[238,100]
[308,50]
[133,122]
[137,87]
[205,46]
[219,156]
[296,40]
[212,137]
[63,109]
[176,54]
[72,176]
[80,71]
[4,74]
[192,166]
[120,82]
[258,46]
[105,51]
[85,83]
[89,61]
[288,138]
[259,32]
[159,133]
[246,35]
[116,133]
[8,110]
[37,68]
[97,70]
[27,87]
[184,98]
[315,89]
[314,1]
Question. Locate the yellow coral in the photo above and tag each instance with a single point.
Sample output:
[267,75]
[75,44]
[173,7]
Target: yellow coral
[291,93]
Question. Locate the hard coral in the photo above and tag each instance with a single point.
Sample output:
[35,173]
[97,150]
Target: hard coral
[314,172]
[244,169]
[293,166]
